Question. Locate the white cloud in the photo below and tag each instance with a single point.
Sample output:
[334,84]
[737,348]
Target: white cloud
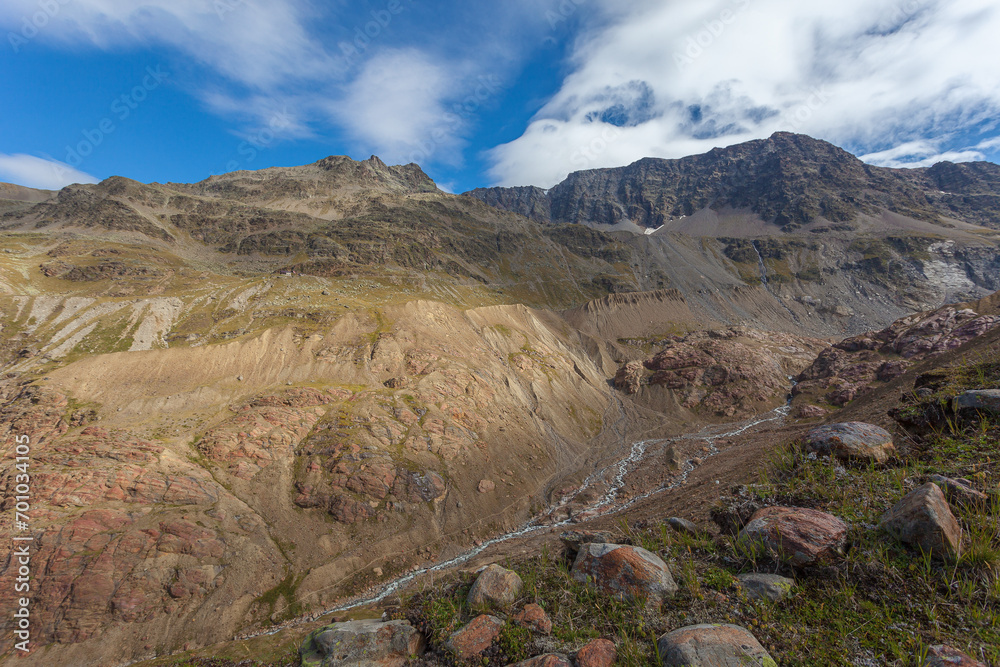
[397,105]
[670,78]
[36,172]
[921,154]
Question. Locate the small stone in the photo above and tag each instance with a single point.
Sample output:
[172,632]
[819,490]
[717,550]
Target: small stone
[475,637]
[684,526]
[713,646]
[960,492]
[800,536]
[239,378]
[924,520]
[495,586]
[534,618]
[624,571]
[598,653]
[377,572]
[946,656]
[572,540]
[983,400]
[851,441]
[766,586]
[485,486]
[546,660]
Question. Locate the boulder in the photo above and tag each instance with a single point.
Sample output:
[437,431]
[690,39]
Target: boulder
[800,536]
[546,660]
[771,587]
[924,520]
[851,441]
[362,644]
[475,637]
[624,571]
[960,492]
[713,646]
[629,377]
[485,486]
[598,653]
[534,618]
[684,526]
[495,586]
[983,400]
[812,412]
[574,539]
[946,656]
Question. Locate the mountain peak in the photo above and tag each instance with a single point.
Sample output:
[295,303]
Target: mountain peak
[787,180]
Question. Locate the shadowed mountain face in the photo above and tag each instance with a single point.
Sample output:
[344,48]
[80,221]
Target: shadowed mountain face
[787,180]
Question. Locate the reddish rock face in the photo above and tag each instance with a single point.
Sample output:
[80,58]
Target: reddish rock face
[598,653]
[851,441]
[731,372]
[846,370]
[715,645]
[924,520]
[495,587]
[946,656]
[534,618]
[475,637]
[800,536]
[624,571]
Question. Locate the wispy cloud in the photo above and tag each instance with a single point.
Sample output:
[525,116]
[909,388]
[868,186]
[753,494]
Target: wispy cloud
[41,173]
[671,78]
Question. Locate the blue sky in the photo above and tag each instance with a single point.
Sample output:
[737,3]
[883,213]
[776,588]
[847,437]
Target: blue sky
[481,93]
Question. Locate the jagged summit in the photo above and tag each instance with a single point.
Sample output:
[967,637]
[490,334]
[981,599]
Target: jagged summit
[788,180]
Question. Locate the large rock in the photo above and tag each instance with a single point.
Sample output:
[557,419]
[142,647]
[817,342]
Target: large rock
[624,571]
[800,536]
[851,441]
[713,646]
[598,653]
[574,539]
[946,656]
[924,520]
[475,637]
[495,586]
[362,644]
[984,400]
[771,587]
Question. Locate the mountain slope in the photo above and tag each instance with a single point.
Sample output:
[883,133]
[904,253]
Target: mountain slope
[787,181]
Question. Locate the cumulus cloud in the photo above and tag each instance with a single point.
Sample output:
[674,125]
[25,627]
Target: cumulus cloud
[397,105]
[41,173]
[667,79]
